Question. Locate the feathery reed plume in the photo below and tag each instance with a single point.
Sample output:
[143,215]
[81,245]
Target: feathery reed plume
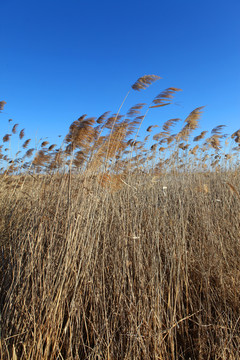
[79,158]
[57,159]
[29,152]
[44,143]
[191,124]
[228,156]
[164,98]
[235,134]
[149,129]
[214,142]
[103,117]
[160,135]
[144,81]
[135,110]
[201,136]
[81,133]
[170,139]
[21,134]
[133,143]
[26,143]
[51,147]
[169,123]
[131,126]
[161,149]
[2,104]
[14,129]
[194,150]
[193,118]
[183,146]
[110,122]
[41,158]
[154,147]
[6,137]
[116,144]
[10,120]
[130,142]
[217,130]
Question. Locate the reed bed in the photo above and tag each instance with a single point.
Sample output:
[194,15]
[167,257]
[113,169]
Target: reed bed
[114,247]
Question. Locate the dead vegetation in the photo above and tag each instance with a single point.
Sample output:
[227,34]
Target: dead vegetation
[114,247]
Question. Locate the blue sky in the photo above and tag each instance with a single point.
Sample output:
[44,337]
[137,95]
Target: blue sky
[61,59]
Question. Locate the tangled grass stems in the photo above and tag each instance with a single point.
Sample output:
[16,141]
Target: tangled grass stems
[137,262]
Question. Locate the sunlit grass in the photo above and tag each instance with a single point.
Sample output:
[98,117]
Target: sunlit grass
[117,247]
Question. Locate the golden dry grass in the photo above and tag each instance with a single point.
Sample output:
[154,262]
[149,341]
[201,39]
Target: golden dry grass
[115,248]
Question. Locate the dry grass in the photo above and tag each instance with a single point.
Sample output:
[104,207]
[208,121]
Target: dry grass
[112,249]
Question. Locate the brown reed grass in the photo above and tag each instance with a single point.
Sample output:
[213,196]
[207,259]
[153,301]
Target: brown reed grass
[118,248]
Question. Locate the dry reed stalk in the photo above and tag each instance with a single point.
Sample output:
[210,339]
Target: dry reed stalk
[117,275]
[111,182]
[233,189]
[203,188]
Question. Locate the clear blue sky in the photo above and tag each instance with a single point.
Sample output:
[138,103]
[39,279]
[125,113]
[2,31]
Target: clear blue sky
[61,59]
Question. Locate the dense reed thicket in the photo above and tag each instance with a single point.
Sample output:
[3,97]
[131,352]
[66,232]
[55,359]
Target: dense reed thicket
[118,248]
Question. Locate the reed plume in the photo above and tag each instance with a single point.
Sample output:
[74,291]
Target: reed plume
[149,129]
[144,81]
[51,147]
[14,129]
[135,110]
[6,137]
[169,123]
[103,117]
[41,158]
[200,137]
[21,134]
[112,249]
[217,130]
[2,104]
[164,98]
[26,143]
[29,152]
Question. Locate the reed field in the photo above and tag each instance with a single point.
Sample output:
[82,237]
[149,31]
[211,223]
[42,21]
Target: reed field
[116,246]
